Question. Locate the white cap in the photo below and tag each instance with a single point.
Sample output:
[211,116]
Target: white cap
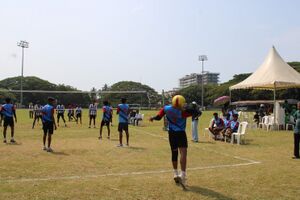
[194,102]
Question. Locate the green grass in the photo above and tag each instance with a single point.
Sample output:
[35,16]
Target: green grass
[82,167]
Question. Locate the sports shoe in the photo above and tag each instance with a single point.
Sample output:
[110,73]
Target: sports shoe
[177,179]
[120,145]
[12,140]
[89,126]
[49,149]
[44,148]
[4,141]
[183,181]
[100,137]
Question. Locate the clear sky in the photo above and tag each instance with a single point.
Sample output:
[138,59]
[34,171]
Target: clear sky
[87,43]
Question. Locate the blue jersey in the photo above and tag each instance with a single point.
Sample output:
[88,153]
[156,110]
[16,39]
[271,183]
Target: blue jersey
[8,110]
[226,122]
[231,113]
[234,125]
[106,113]
[47,112]
[123,110]
[175,117]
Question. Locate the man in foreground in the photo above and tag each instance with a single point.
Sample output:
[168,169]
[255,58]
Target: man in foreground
[123,111]
[176,115]
[48,123]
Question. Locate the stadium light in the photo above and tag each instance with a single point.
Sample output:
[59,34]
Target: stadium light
[202,58]
[23,44]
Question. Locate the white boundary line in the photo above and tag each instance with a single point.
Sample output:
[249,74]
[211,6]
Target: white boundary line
[22,180]
[249,162]
[216,152]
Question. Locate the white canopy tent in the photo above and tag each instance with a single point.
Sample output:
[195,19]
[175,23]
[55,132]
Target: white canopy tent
[274,74]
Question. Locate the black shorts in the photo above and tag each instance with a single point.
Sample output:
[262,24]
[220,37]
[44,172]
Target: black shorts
[177,139]
[48,127]
[8,121]
[60,115]
[78,115]
[123,126]
[92,116]
[104,122]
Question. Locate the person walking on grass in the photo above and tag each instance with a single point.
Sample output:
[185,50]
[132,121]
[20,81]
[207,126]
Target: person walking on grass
[106,119]
[48,123]
[297,133]
[123,111]
[9,113]
[176,114]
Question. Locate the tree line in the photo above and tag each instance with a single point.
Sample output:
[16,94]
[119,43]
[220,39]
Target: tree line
[149,98]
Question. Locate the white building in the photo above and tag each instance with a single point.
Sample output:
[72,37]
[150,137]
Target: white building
[196,79]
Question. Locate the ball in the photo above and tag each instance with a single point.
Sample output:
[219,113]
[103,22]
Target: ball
[178,101]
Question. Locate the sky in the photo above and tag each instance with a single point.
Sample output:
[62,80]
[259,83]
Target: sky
[89,43]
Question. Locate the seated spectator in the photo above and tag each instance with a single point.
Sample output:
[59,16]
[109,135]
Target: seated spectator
[216,127]
[226,120]
[231,112]
[233,126]
[132,115]
[138,117]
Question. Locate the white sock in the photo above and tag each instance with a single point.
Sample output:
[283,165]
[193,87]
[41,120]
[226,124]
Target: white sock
[175,172]
[183,174]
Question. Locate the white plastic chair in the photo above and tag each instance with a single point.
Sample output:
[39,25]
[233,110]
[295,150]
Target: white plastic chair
[270,123]
[206,130]
[240,133]
[264,121]
[290,123]
[140,117]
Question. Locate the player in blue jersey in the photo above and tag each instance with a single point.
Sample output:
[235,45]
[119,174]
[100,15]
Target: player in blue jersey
[123,111]
[232,126]
[48,123]
[106,119]
[9,113]
[176,115]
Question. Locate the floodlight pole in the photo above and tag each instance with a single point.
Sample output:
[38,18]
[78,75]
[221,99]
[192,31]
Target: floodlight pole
[23,44]
[202,58]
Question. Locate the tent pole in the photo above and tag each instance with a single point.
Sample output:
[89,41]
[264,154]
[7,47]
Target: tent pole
[274,107]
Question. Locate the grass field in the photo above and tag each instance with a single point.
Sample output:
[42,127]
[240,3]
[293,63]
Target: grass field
[82,167]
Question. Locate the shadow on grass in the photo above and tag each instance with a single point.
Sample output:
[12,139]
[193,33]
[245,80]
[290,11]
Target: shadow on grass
[208,193]
[60,153]
[204,142]
[136,148]
[15,143]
